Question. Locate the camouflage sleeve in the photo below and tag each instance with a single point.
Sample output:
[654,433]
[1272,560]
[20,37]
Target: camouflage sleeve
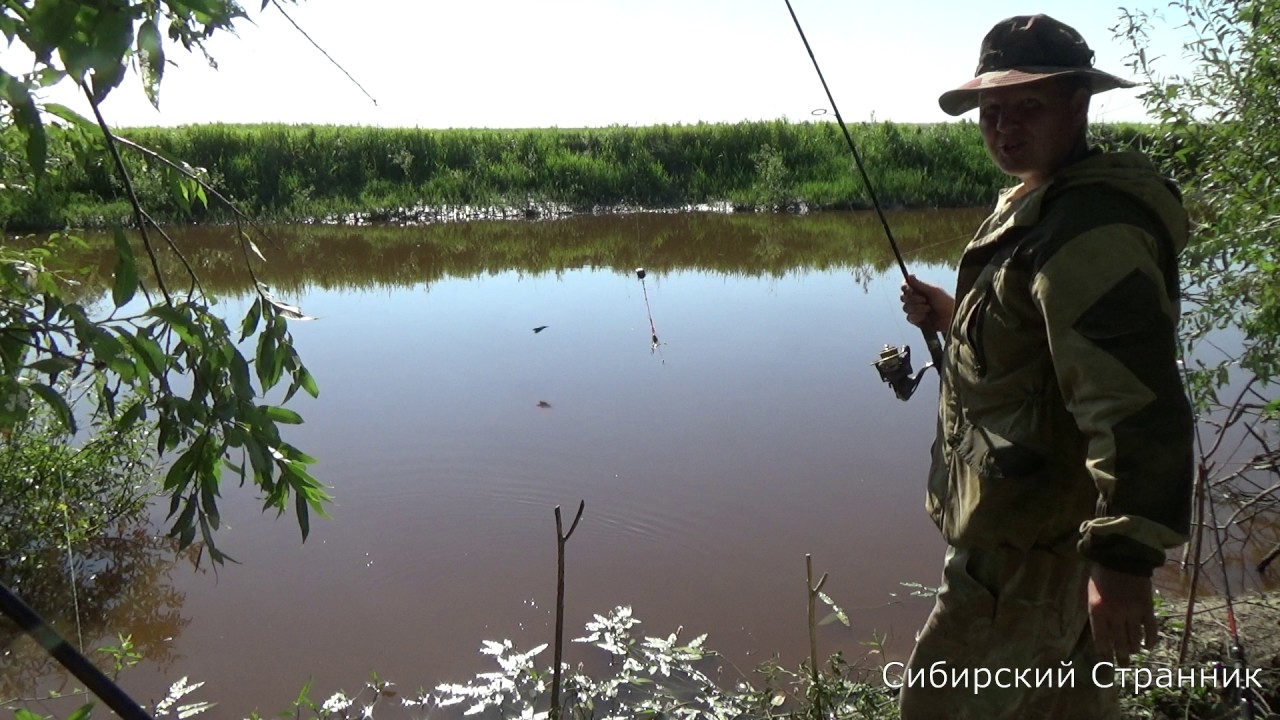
[1112,335]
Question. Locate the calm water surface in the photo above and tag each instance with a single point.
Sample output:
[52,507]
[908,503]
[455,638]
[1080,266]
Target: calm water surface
[754,433]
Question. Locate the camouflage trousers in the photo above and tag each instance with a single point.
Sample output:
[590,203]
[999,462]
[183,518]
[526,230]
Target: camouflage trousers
[1002,611]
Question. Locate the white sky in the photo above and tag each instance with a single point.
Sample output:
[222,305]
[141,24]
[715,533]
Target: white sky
[576,63]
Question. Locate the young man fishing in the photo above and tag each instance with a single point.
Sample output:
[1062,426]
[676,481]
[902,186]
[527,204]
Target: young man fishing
[1063,463]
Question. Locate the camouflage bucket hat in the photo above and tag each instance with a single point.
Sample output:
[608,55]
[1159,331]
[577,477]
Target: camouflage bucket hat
[1025,49]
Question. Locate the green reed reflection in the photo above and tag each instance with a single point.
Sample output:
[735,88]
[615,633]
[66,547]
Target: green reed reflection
[752,245]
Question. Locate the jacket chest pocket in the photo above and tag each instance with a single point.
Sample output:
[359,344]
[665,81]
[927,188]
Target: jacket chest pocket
[970,335]
[996,330]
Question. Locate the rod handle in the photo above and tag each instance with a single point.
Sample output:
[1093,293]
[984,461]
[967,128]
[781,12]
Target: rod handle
[934,343]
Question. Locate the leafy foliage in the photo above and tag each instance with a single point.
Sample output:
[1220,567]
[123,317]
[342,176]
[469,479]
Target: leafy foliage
[645,677]
[1221,125]
[1221,136]
[178,363]
[59,495]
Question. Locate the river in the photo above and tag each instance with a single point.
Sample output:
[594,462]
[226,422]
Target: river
[754,432]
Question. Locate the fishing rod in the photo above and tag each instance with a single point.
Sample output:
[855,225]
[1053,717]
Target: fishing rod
[893,364]
[77,664]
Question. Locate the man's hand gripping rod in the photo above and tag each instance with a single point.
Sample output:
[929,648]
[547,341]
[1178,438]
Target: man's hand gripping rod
[894,364]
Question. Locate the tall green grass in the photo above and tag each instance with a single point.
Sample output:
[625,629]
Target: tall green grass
[294,172]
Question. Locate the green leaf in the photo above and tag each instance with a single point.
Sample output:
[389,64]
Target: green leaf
[57,403]
[184,528]
[282,415]
[239,369]
[108,351]
[151,59]
[209,496]
[251,319]
[304,520]
[52,303]
[270,358]
[14,348]
[51,25]
[131,416]
[237,469]
[307,382]
[180,322]
[147,352]
[184,468]
[27,118]
[111,39]
[53,365]
[107,400]
[15,402]
[296,455]
[214,9]
[82,713]
[71,116]
[9,26]
[258,458]
[126,282]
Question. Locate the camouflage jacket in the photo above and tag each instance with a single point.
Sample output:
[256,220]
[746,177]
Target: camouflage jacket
[1063,421]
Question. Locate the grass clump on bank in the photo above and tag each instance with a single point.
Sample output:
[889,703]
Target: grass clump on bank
[298,172]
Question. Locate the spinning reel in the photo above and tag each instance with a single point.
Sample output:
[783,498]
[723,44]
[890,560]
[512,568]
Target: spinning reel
[894,366]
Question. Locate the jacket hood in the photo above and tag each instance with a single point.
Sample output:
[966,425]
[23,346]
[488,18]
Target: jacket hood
[1132,174]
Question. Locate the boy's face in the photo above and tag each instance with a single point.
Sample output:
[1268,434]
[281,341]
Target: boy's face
[1032,130]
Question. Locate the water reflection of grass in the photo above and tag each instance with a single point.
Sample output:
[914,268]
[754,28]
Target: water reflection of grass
[121,582]
[754,245]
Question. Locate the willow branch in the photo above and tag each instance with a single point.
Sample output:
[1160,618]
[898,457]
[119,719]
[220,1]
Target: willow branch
[195,279]
[240,216]
[138,214]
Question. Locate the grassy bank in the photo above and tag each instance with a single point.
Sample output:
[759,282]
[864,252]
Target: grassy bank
[296,172]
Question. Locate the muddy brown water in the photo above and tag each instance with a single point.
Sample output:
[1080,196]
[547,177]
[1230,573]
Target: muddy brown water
[754,433]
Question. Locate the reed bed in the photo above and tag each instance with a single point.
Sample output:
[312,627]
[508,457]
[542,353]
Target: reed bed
[308,172]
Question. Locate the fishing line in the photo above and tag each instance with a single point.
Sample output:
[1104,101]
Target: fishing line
[640,273]
[940,243]
[654,345]
[894,365]
[853,148]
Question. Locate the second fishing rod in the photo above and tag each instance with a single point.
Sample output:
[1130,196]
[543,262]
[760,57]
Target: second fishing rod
[893,364]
